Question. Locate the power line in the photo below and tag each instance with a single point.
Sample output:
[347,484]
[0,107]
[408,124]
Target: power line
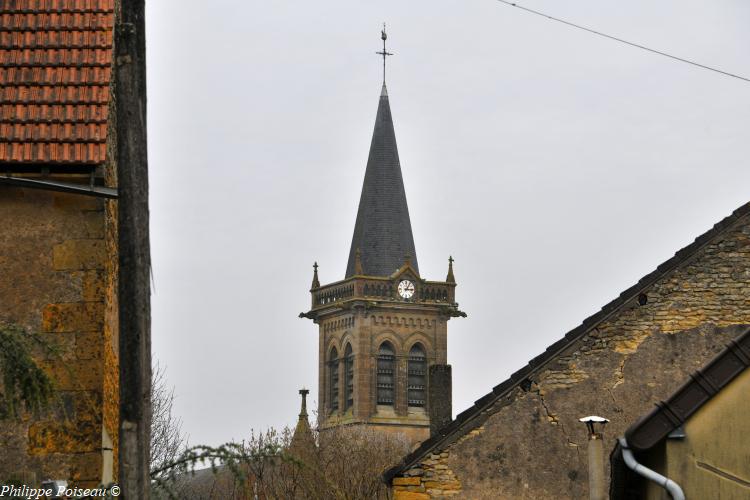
[623,41]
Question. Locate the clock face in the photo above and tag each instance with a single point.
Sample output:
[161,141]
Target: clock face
[406,289]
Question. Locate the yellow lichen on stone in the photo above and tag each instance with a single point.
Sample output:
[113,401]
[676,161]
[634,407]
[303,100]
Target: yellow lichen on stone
[93,286]
[410,495]
[472,434]
[442,485]
[73,317]
[406,481]
[629,344]
[80,375]
[79,254]
[64,437]
[560,379]
[88,345]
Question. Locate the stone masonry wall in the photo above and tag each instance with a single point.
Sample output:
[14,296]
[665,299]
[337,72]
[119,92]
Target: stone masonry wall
[433,478]
[529,445]
[365,331]
[55,282]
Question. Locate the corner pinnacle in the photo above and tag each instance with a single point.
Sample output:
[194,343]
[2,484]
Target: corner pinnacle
[315,281]
[303,410]
[450,278]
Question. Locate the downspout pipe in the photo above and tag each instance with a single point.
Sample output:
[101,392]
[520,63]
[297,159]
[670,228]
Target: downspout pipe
[672,488]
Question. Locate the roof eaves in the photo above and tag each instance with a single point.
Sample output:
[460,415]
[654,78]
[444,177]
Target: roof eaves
[697,391]
[476,411]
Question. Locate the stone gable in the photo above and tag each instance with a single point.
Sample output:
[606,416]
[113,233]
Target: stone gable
[523,441]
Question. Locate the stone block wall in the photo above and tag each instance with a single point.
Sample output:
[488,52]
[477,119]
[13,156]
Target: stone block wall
[365,331]
[530,444]
[57,257]
[433,478]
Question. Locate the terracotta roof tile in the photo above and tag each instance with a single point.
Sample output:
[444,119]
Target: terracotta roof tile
[55,72]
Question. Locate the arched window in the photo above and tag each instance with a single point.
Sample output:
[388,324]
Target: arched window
[386,366]
[349,371]
[333,369]
[417,369]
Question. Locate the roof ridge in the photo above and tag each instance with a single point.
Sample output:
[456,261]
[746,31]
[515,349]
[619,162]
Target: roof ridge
[536,363]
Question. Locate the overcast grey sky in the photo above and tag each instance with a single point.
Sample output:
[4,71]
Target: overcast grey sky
[556,167]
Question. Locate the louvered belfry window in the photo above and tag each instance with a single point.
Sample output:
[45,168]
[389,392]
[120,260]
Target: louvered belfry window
[349,371]
[386,374]
[333,368]
[417,370]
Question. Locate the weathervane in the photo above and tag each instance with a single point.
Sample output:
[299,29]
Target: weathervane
[384,53]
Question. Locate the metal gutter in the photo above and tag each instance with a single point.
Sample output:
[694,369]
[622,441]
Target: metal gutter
[688,399]
[672,488]
[63,187]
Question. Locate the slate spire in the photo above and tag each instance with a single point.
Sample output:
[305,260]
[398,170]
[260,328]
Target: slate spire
[382,232]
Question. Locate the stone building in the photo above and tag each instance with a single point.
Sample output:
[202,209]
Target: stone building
[383,328]
[523,440]
[58,232]
[697,438]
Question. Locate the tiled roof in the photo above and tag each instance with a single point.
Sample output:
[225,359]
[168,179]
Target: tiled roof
[474,415]
[55,70]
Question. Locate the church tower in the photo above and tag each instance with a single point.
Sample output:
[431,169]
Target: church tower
[383,328]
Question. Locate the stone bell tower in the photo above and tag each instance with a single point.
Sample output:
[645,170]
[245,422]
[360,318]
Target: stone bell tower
[383,328]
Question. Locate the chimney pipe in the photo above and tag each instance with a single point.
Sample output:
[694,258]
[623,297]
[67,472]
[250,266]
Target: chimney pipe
[597,481]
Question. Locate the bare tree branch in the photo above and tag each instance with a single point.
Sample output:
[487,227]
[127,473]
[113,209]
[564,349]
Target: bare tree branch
[167,441]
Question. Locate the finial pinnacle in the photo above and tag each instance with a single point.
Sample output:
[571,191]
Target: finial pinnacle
[450,278]
[384,53]
[303,410]
[315,280]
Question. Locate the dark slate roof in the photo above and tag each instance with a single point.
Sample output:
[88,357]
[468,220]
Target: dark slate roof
[476,414]
[702,386]
[383,229]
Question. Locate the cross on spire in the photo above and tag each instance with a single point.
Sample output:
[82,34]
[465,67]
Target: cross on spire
[384,53]
[303,411]
[315,281]
[450,278]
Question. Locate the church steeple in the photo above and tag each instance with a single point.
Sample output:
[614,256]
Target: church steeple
[383,229]
[383,330]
